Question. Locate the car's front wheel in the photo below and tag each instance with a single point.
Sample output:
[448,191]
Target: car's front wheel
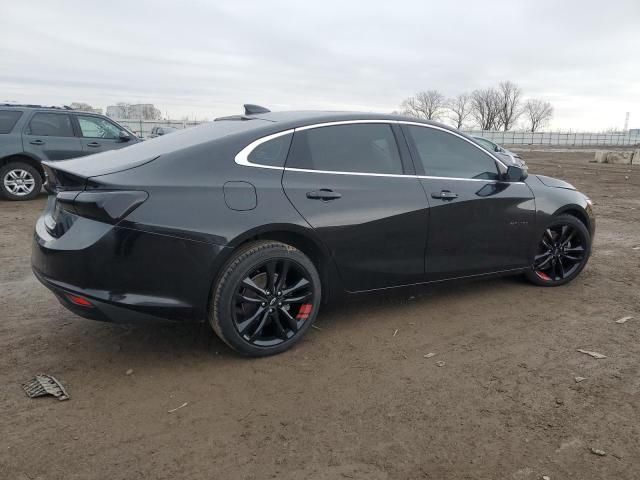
[267,297]
[19,181]
[562,252]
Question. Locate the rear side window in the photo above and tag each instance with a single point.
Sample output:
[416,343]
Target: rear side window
[8,120]
[366,148]
[272,152]
[446,155]
[51,125]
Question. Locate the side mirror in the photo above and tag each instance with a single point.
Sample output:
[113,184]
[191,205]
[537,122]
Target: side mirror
[124,136]
[515,174]
[497,148]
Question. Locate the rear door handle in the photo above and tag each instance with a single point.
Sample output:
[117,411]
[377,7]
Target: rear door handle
[444,195]
[323,194]
[93,144]
[36,142]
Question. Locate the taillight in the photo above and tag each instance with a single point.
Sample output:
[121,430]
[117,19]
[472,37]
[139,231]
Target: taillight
[104,206]
[80,301]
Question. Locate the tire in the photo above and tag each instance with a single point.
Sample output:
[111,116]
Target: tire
[259,307]
[562,252]
[19,181]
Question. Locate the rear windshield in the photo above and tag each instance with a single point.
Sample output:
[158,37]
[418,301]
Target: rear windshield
[8,120]
[135,155]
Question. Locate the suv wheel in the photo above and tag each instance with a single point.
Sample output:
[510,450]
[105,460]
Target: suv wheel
[266,299]
[19,181]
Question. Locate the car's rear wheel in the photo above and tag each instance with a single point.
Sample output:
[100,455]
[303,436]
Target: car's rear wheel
[267,297]
[19,181]
[562,252]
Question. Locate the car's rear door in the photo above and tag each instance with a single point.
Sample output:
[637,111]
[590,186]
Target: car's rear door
[98,134]
[349,182]
[477,223]
[51,136]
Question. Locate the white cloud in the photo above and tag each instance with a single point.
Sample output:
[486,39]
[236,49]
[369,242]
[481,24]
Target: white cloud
[205,59]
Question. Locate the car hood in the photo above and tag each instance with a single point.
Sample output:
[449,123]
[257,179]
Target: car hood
[555,182]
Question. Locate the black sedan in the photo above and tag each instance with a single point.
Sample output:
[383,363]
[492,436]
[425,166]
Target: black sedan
[252,222]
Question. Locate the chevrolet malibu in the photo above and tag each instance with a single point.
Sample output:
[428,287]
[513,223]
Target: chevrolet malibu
[253,221]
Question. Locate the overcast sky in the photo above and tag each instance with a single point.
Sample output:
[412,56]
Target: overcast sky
[206,58]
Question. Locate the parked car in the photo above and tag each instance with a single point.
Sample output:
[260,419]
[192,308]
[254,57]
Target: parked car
[159,131]
[31,134]
[504,153]
[251,222]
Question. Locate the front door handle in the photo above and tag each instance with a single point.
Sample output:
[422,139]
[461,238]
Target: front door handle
[323,194]
[36,142]
[93,144]
[444,195]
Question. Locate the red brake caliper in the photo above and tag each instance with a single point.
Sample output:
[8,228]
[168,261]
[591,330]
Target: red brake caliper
[544,276]
[304,312]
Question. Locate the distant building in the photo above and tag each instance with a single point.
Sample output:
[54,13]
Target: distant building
[140,111]
[634,131]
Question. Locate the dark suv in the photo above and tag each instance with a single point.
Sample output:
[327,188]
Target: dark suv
[30,134]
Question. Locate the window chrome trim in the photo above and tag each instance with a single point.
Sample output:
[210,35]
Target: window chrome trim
[242,158]
[362,174]
[343,122]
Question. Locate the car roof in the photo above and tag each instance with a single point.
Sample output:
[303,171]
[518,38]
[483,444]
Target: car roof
[49,109]
[299,118]
[36,107]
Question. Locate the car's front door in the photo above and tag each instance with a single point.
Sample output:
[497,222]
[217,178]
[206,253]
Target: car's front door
[477,222]
[98,134]
[349,183]
[50,136]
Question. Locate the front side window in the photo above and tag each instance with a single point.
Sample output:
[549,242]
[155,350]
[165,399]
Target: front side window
[366,148]
[272,152]
[486,144]
[96,127]
[51,125]
[446,155]
[8,120]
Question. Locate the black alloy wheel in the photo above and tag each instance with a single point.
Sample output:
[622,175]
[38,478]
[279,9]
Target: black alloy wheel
[266,299]
[562,252]
[272,302]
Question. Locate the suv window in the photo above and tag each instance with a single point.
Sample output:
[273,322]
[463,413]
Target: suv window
[445,155]
[51,125]
[272,152]
[368,148]
[96,127]
[8,120]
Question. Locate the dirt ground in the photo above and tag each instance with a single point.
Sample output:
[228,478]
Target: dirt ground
[355,399]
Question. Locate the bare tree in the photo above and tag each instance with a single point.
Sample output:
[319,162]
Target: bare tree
[510,109]
[428,105]
[84,107]
[485,108]
[460,108]
[538,113]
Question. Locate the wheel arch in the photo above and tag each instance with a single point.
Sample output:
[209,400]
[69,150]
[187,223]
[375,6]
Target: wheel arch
[299,237]
[25,158]
[575,211]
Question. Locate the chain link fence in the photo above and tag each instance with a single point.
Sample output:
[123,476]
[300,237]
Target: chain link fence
[558,138]
[142,128]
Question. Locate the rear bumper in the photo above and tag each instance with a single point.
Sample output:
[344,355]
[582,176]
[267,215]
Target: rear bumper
[128,275]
